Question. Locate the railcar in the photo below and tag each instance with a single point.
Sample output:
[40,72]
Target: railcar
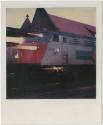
[52,49]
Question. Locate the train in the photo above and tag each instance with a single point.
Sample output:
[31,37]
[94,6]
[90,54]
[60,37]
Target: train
[51,48]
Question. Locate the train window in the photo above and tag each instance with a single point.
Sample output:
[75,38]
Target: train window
[64,40]
[74,41]
[55,38]
[84,55]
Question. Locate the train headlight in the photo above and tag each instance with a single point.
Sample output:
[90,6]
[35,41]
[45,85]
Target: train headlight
[16,56]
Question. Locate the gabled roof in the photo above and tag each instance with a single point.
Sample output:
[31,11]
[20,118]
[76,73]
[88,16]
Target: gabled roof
[70,26]
[41,21]
[26,27]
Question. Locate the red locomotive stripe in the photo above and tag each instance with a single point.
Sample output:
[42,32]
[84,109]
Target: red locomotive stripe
[31,52]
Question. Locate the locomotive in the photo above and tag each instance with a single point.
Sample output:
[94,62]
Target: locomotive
[49,57]
[52,48]
[51,41]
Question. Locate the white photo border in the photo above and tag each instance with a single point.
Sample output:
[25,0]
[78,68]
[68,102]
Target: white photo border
[52,111]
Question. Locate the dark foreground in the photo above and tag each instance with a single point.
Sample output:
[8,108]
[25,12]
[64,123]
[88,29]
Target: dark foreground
[33,82]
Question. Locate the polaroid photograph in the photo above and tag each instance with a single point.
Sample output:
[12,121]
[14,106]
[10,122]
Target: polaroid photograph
[51,63]
[50,56]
